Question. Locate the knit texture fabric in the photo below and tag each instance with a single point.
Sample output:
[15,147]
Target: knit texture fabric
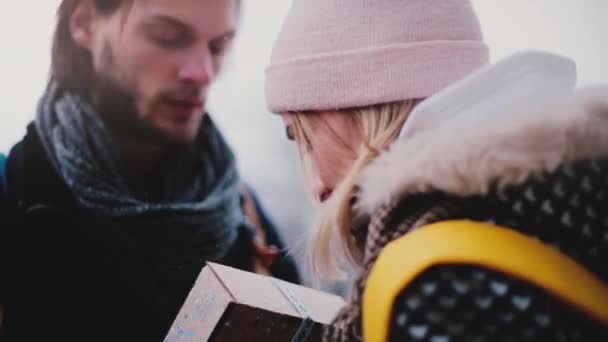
[198,212]
[340,54]
[561,209]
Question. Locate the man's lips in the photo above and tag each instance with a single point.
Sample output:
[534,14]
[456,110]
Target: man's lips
[183,109]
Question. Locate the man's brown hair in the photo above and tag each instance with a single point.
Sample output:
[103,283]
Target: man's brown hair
[71,64]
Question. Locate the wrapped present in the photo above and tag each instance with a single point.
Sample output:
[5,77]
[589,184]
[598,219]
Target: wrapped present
[228,304]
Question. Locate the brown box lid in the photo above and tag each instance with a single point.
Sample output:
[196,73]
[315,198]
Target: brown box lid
[227,304]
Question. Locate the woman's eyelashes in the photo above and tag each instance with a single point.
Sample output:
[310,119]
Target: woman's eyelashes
[289,133]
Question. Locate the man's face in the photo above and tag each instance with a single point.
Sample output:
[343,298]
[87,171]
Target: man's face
[154,61]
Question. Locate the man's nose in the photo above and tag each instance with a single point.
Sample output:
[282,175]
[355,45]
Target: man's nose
[198,69]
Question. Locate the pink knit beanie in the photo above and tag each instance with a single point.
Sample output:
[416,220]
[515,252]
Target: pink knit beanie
[333,54]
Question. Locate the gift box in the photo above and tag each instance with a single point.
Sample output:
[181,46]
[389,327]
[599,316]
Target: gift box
[227,304]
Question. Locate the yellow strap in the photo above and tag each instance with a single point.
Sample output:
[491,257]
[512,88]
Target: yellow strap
[468,242]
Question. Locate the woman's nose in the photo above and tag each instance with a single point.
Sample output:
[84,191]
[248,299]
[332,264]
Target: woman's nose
[321,185]
[324,194]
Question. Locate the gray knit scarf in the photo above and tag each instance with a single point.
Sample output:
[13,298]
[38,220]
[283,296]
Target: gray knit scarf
[199,211]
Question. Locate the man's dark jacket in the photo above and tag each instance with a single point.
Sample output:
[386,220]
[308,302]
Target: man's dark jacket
[65,276]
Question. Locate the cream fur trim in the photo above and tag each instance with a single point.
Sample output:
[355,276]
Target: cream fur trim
[468,155]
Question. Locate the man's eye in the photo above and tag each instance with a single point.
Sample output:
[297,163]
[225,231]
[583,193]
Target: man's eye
[219,46]
[170,42]
[216,50]
[167,38]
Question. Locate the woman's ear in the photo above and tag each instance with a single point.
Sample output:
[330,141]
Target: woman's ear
[82,23]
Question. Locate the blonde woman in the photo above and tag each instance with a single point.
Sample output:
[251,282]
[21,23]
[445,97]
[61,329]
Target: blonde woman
[471,197]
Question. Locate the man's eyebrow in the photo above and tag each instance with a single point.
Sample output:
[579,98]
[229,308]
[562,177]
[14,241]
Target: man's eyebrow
[226,35]
[185,27]
[170,21]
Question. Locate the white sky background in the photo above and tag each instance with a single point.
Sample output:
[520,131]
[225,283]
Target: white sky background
[575,28]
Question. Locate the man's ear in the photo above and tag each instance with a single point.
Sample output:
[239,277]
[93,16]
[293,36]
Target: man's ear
[82,23]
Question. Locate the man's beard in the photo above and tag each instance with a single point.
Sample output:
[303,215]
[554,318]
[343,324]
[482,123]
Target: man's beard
[116,106]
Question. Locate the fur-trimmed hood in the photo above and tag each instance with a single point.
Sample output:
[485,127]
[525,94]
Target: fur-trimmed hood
[489,130]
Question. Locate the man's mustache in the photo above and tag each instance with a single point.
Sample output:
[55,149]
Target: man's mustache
[189,94]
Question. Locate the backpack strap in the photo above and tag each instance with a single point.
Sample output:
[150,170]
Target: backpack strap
[13,176]
[475,243]
[30,177]
[3,185]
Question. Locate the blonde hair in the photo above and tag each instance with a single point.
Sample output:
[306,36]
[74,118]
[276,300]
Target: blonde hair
[332,243]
